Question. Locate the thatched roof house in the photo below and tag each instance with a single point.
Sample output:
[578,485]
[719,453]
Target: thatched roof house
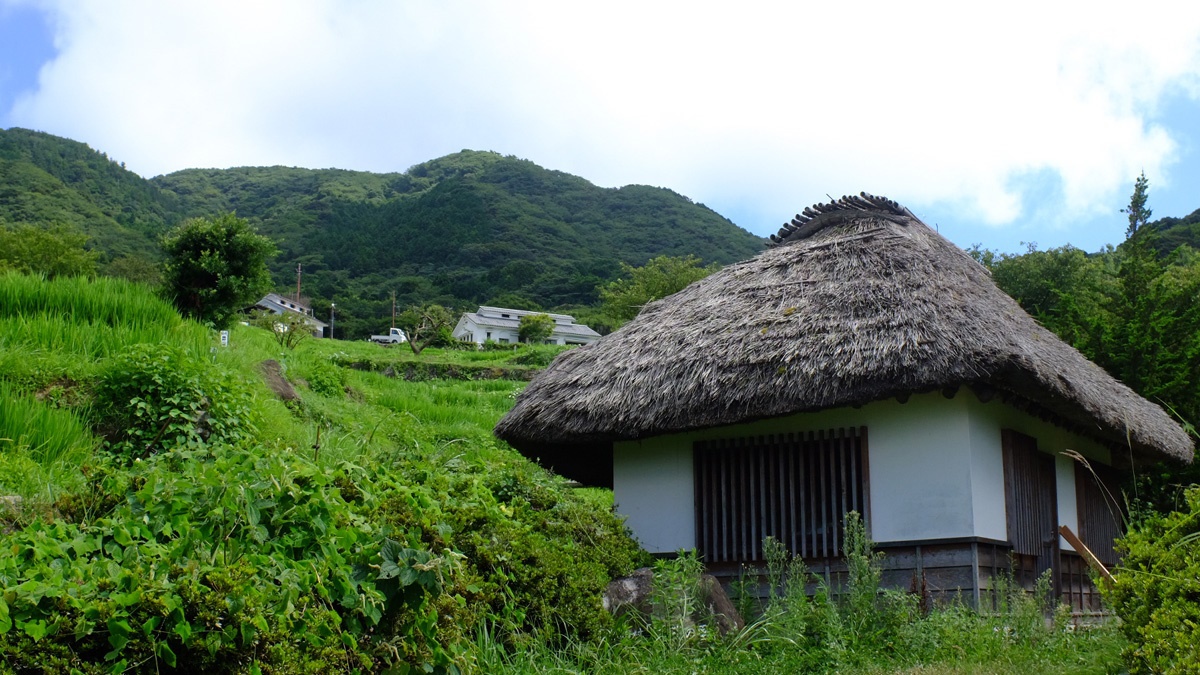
[856,307]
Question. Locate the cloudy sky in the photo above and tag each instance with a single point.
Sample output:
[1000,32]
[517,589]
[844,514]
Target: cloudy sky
[1000,123]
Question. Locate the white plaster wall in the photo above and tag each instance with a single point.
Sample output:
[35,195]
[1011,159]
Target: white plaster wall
[918,459]
[936,469]
[987,473]
[653,489]
[1068,507]
[920,469]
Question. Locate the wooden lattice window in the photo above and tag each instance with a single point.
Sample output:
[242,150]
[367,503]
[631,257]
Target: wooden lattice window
[796,488]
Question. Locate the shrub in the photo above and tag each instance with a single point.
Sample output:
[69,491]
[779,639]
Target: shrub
[153,398]
[1155,591]
[289,328]
[324,377]
[216,558]
[536,557]
[540,355]
[215,267]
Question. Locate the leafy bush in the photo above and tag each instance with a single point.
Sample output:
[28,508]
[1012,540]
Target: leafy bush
[1156,590]
[55,251]
[215,267]
[216,558]
[323,377]
[536,558]
[153,398]
[535,328]
[289,328]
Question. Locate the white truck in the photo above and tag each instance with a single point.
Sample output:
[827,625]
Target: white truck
[394,336]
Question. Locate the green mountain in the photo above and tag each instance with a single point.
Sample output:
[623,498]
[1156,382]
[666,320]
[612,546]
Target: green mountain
[472,227]
[1174,232]
[45,179]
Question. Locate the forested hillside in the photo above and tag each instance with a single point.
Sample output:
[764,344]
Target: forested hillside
[48,180]
[469,228]
[472,227]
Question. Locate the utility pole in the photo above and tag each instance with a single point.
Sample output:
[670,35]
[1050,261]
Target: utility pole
[298,283]
[393,309]
[332,307]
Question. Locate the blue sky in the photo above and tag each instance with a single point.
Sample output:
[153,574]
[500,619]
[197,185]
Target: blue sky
[999,124]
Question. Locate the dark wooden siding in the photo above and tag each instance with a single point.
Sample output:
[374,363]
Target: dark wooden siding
[1097,491]
[1030,501]
[793,487]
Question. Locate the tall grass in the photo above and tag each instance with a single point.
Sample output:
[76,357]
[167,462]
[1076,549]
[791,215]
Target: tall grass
[352,415]
[454,408]
[41,447]
[103,300]
[69,323]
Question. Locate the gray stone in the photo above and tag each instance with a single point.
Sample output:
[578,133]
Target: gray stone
[635,593]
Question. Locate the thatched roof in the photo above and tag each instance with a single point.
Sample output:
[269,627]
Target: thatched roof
[857,301]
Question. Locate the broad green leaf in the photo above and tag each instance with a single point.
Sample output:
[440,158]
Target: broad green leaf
[163,651]
[151,624]
[118,633]
[35,629]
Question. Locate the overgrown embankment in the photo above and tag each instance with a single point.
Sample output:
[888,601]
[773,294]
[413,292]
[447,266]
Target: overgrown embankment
[174,511]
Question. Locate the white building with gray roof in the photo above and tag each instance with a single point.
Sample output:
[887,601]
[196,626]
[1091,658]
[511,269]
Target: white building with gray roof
[502,325]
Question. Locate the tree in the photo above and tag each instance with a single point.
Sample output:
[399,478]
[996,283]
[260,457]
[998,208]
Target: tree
[216,267]
[56,251]
[134,268]
[1067,290]
[424,325]
[1138,214]
[288,328]
[535,328]
[624,298]
[1139,332]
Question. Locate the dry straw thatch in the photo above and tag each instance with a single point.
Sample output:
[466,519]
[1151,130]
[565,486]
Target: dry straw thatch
[857,301]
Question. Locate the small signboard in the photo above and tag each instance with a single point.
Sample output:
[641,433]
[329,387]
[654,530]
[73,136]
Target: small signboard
[224,338]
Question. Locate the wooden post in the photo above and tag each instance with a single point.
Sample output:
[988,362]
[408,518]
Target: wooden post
[1085,552]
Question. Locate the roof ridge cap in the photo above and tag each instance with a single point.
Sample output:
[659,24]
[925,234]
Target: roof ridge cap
[818,216]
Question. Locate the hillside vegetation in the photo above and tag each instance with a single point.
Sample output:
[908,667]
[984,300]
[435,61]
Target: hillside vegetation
[344,507]
[175,511]
[469,228]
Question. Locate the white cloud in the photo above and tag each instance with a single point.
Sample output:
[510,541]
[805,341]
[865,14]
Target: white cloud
[930,103]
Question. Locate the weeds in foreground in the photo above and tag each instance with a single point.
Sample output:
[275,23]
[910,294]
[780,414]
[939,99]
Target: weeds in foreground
[803,625]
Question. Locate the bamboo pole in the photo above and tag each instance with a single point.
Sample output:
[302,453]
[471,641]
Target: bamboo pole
[1086,552]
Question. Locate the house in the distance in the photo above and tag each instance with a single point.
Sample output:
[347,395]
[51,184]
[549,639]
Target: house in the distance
[278,304]
[740,408]
[501,325]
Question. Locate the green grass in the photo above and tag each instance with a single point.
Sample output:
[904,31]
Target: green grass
[368,417]
[41,448]
[50,330]
[799,634]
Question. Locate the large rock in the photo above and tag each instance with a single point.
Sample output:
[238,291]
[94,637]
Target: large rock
[635,593]
[631,593]
[719,606]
